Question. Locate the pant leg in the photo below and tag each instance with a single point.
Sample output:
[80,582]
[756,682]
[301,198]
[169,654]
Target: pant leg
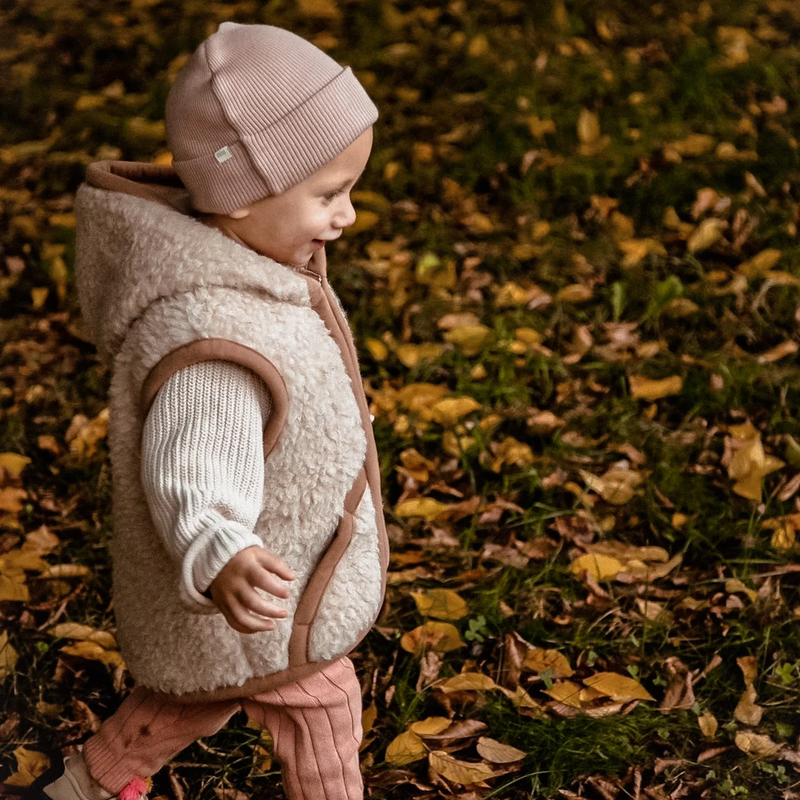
[146,732]
[316,726]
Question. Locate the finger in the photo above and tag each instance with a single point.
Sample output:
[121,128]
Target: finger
[255,604]
[264,579]
[241,620]
[276,564]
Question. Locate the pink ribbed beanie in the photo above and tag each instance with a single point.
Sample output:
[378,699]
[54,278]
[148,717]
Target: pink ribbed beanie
[257,109]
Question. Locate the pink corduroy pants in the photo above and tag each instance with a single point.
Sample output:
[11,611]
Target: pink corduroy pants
[315,724]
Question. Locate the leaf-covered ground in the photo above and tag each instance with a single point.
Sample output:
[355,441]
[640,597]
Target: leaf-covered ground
[574,283]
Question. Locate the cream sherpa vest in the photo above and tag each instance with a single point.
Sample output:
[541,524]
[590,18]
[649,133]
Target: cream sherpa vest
[159,291]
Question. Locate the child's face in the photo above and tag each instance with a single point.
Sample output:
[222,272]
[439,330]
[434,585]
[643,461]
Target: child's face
[292,226]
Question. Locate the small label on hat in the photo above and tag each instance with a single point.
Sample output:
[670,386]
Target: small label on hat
[223,154]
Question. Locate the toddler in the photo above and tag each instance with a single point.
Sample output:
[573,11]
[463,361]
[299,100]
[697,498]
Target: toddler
[249,548]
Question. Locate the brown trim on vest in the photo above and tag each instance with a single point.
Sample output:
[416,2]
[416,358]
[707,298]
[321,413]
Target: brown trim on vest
[308,607]
[155,182]
[223,350]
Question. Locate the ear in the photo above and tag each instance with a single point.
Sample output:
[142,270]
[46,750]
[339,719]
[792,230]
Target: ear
[240,213]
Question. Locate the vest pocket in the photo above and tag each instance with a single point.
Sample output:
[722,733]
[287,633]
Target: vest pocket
[318,582]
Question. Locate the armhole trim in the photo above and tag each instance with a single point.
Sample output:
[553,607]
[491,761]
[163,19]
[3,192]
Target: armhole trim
[202,350]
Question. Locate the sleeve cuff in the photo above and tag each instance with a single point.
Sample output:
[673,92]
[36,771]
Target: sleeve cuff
[210,551]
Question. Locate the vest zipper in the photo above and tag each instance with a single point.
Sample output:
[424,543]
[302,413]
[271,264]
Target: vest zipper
[310,273]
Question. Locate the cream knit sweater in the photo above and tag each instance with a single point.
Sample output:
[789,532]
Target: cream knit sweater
[203,465]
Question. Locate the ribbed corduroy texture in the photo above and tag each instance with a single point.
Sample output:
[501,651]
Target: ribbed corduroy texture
[256,110]
[315,724]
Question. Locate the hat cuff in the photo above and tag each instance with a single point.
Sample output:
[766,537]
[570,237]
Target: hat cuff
[286,153]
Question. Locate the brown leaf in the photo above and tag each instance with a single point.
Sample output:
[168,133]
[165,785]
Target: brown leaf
[650,390]
[708,724]
[463,773]
[497,753]
[541,660]
[30,764]
[468,681]
[440,604]
[617,687]
[680,691]
[746,711]
[755,744]
[8,657]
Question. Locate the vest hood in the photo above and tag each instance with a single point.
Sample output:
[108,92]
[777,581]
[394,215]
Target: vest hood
[134,226]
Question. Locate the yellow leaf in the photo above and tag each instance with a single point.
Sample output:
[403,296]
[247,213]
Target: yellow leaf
[425,507]
[16,561]
[760,263]
[636,250]
[617,486]
[647,389]
[365,220]
[598,566]
[708,724]
[511,294]
[541,660]
[13,464]
[41,541]
[706,234]
[432,726]
[497,753]
[540,127]
[512,453]
[416,464]
[617,687]
[440,637]
[39,296]
[417,397]
[588,127]
[463,773]
[83,435]
[30,764]
[13,588]
[571,694]
[433,271]
[574,293]
[469,338]
[696,144]
[783,538]
[478,46]
[412,354]
[440,604]
[405,748]
[368,717]
[468,682]
[11,499]
[451,409]
[94,652]
[755,744]
[8,657]
[74,630]
[519,698]
[377,349]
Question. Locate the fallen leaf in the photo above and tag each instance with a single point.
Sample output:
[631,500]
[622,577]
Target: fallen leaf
[425,507]
[572,694]
[617,687]
[441,637]
[650,390]
[574,293]
[787,348]
[440,604]
[8,657]
[405,748]
[468,682]
[74,630]
[707,233]
[470,338]
[30,764]
[11,498]
[94,652]
[708,724]
[755,744]
[511,452]
[450,410]
[746,711]
[617,486]
[497,753]
[412,354]
[760,263]
[13,464]
[538,659]
[463,773]
[600,567]
[431,726]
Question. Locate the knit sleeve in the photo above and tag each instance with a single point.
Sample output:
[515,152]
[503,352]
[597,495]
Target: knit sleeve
[203,468]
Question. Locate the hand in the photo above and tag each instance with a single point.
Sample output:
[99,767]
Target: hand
[234,589]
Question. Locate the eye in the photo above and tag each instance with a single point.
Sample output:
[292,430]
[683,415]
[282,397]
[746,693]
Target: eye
[332,195]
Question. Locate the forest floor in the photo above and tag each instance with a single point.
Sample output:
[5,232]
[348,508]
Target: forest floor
[574,282]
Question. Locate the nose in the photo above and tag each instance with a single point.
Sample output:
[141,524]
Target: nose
[345,213]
